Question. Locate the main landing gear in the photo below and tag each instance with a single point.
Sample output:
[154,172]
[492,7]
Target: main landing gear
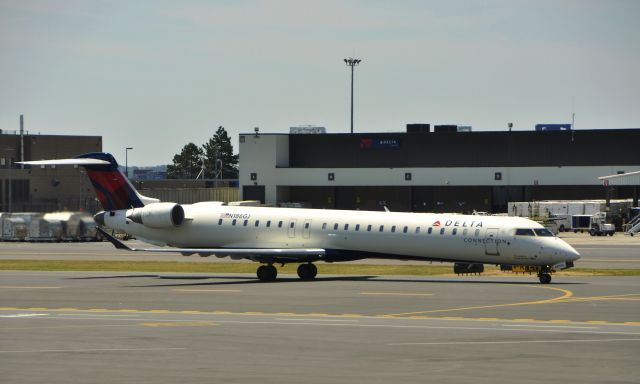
[268,273]
[307,271]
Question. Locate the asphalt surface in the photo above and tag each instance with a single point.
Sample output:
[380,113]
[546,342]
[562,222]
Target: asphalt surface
[618,251]
[60,327]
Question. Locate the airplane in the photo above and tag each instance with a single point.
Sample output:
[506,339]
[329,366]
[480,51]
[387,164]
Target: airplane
[271,235]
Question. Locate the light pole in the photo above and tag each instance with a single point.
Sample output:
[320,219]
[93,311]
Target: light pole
[10,191]
[351,62]
[126,160]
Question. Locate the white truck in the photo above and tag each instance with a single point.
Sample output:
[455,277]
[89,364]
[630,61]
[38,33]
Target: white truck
[595,224]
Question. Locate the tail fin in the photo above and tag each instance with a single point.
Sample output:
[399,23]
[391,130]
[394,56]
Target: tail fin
[113,189]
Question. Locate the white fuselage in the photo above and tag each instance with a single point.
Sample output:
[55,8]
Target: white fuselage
[428,236]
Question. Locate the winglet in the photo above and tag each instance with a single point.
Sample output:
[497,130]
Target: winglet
[116,243]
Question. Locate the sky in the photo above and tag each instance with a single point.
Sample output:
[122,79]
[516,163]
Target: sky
[157,74]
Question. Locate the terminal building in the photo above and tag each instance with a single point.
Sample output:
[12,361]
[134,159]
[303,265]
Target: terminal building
[40,188]
[441,171]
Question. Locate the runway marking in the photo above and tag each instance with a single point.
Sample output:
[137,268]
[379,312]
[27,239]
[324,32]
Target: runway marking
[25,287]
[547,326]
[206,290]
[567,294]
[626,297]
[302,315]
[614,260]
[395,294]
[92,350]
[91,315]
[517,342]
[17,315]
[179,323]
[329,320]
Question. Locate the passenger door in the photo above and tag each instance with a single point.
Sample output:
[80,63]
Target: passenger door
[306,229]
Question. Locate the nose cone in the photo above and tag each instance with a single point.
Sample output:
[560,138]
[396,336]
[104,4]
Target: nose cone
[99,218]
[570,254]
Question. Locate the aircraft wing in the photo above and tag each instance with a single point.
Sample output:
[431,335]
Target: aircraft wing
[276,255]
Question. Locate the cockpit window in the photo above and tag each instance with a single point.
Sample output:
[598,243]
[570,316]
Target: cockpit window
[524,232]
[543,232]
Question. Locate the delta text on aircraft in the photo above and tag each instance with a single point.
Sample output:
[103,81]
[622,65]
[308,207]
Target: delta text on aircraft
[273,236]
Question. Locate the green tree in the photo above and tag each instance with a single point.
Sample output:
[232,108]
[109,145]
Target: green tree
[219,151]
[186,164]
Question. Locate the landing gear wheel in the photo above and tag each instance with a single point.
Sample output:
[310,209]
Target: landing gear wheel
[307,271]
[267,273]
[545,278]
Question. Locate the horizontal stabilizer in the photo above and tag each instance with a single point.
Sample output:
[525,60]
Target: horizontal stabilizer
[65,162]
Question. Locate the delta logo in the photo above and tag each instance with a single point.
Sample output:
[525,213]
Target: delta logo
[366,143]
[459,223]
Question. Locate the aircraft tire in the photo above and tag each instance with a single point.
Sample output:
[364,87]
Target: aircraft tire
[267,273]
[545,278]
[307,271]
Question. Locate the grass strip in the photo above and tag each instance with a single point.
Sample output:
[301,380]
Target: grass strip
[213,267]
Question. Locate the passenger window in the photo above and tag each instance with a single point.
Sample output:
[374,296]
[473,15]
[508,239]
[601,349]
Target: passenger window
[306,225]
[417,230]
[429,230]
[455,230]
[335,226]
[405,229]
[381,228]
[324,226]
[465,231]
[393,228]
[524,232]
[357,227]
[234,222]
[292,224]
[369,228]
[245,223]
[477,233]
[220,222]
[280,224]
[442,231]
[346,227]
[268,223]
[257,223]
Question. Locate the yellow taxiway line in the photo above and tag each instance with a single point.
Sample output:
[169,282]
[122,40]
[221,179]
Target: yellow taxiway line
[566,294]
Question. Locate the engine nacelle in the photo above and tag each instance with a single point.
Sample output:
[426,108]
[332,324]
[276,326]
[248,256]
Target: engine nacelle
[158,215]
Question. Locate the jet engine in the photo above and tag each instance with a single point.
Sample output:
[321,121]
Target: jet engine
[158,215]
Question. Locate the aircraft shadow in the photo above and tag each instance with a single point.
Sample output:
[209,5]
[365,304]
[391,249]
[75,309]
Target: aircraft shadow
[243,280]
[251,280]
[237,280]
[109,277]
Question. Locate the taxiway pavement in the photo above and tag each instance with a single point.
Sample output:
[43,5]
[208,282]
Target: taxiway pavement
[57,327]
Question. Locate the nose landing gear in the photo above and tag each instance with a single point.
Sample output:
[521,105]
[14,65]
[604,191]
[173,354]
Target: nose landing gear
[545,277]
